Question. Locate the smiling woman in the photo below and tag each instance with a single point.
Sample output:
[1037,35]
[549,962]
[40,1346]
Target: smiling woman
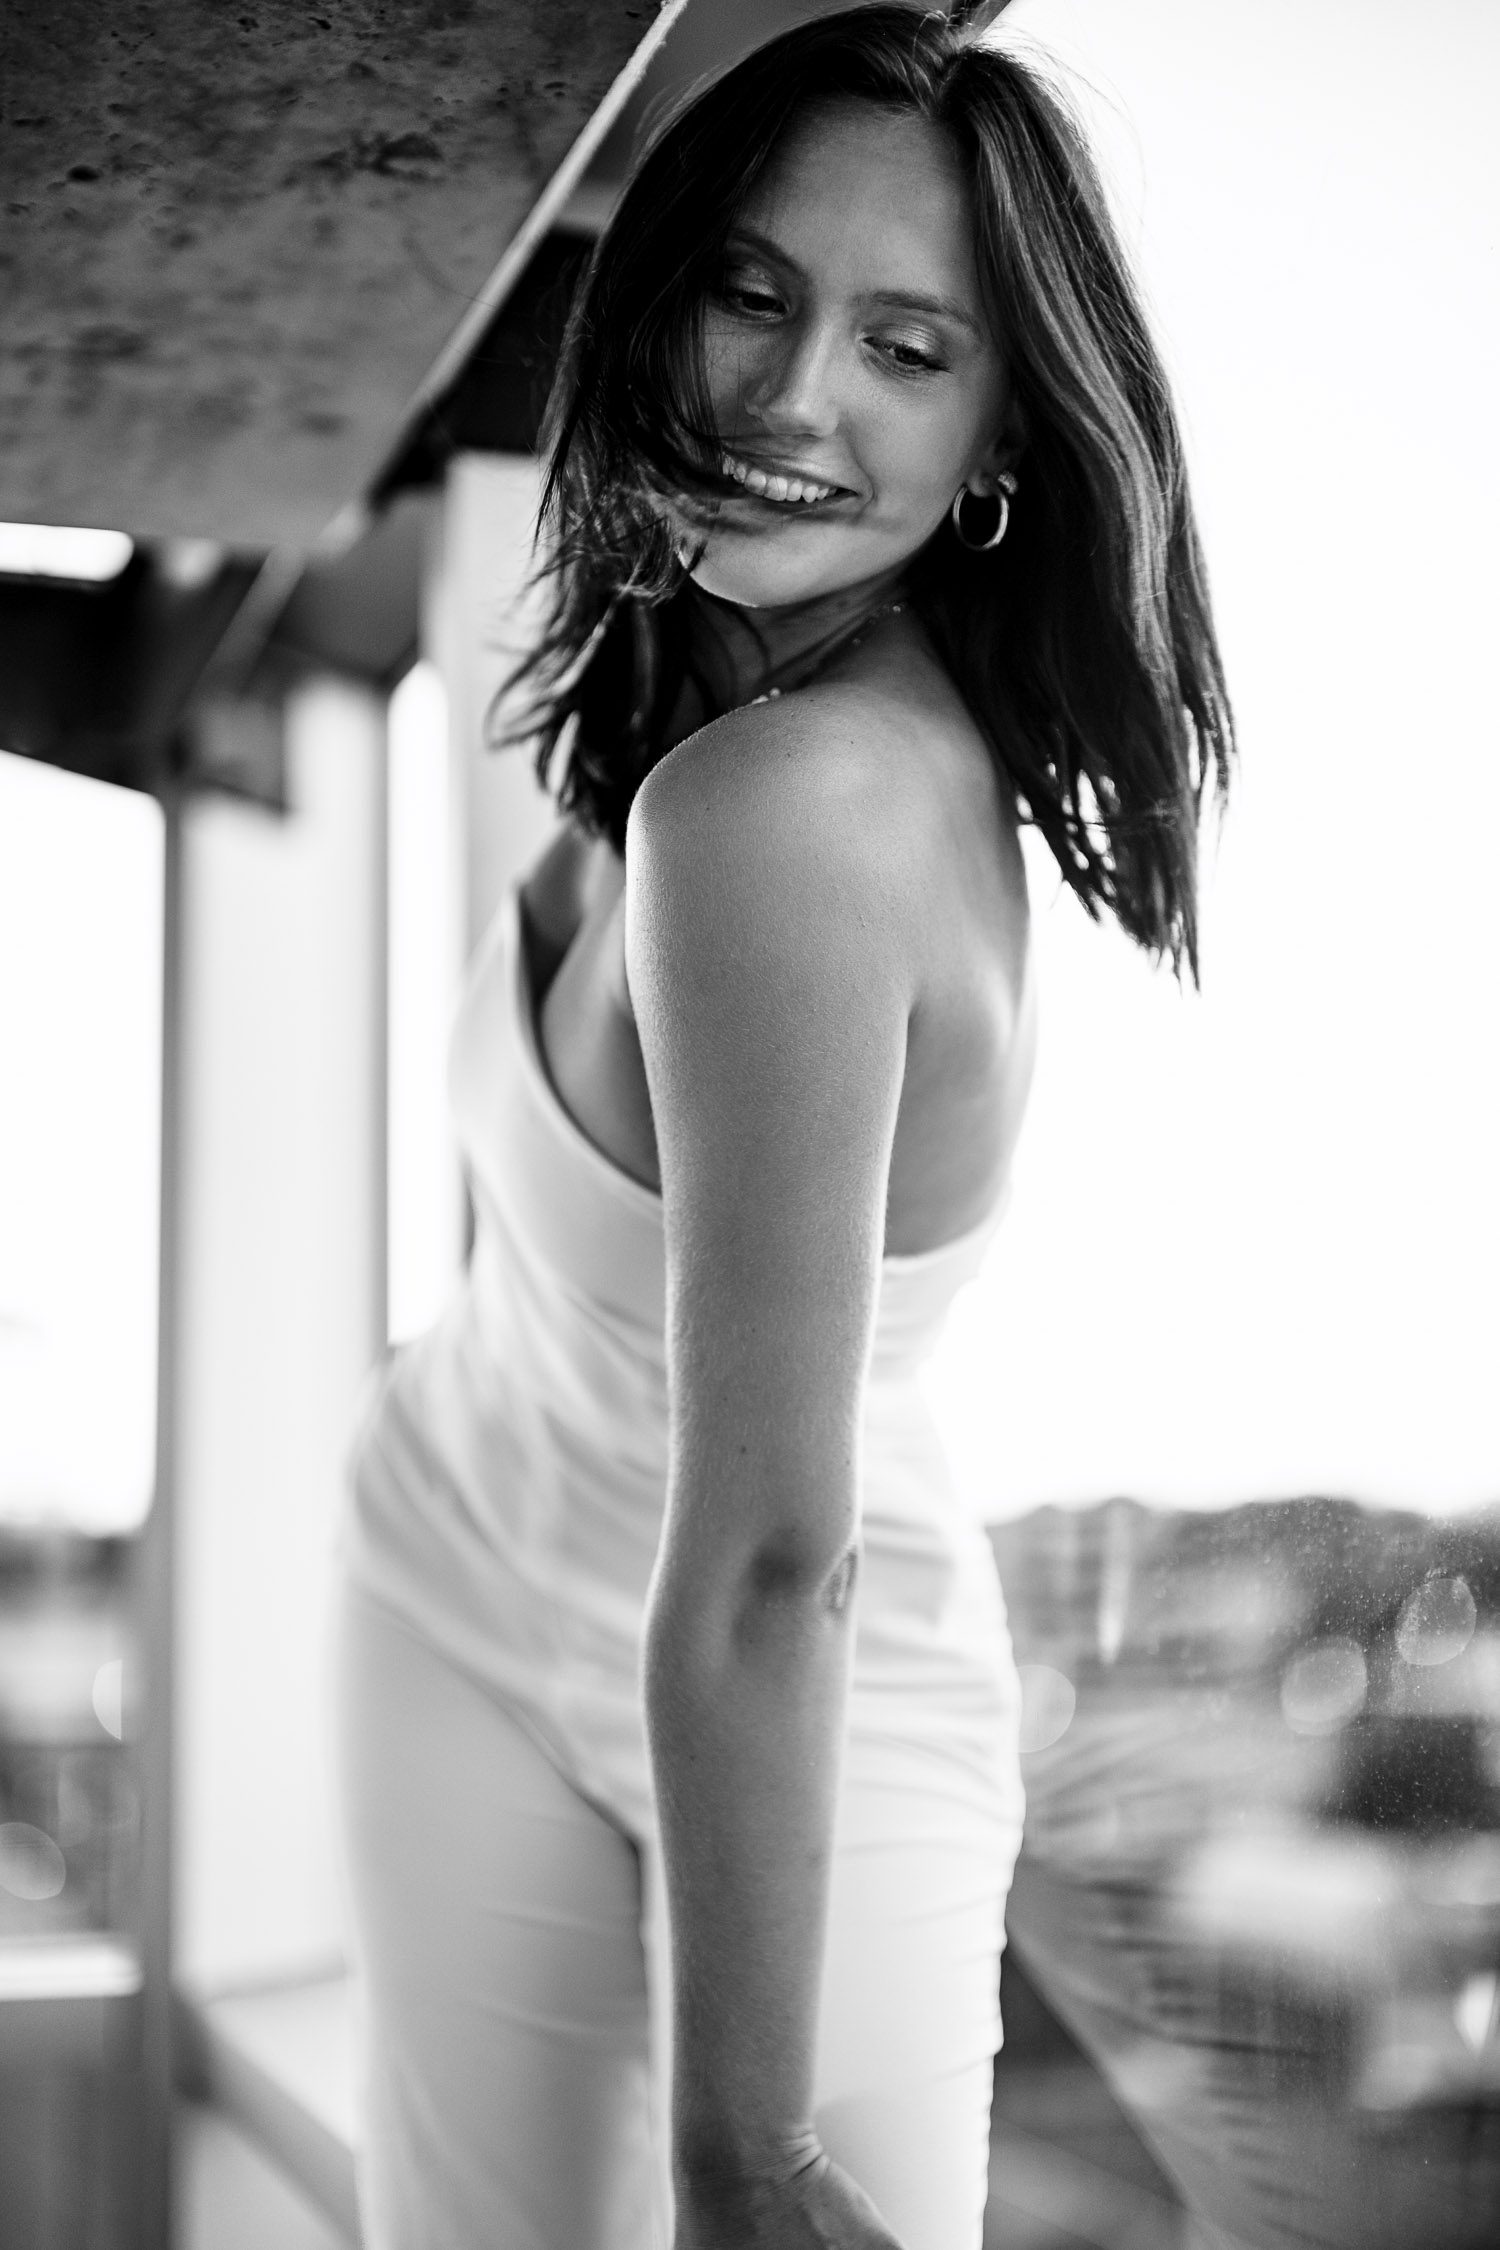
[681,1726]
[880,261]
[850,372]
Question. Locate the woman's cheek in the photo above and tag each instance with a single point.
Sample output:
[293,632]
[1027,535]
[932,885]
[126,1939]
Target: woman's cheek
[920,464]
[721,373]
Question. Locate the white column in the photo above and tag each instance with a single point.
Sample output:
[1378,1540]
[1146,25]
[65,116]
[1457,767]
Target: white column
[281,1292]
[477,619]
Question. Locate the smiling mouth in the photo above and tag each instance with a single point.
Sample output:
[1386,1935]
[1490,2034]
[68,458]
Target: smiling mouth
[785,488]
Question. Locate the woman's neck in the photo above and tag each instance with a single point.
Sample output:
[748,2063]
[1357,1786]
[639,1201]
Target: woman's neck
[740,652]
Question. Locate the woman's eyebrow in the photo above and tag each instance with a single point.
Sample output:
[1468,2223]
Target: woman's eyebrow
[918,300]
[895,300]
[743,237]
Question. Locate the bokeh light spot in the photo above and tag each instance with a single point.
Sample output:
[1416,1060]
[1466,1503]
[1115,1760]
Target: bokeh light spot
[1476,2011]
[31,1866]
[1047,1706]
[1323,1687]
[1437,1621]
[109,1697]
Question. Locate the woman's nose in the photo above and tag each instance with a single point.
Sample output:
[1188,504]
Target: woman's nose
[794,386]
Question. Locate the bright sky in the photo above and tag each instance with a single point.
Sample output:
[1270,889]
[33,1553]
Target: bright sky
[1255,1241]
[80,1063]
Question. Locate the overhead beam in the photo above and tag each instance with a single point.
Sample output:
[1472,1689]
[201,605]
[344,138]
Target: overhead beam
[239,239]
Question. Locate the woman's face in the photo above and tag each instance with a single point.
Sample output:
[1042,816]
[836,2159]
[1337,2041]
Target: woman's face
[848,360]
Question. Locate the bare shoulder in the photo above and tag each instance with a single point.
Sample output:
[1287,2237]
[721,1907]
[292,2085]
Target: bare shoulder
[825,920]
[781,807]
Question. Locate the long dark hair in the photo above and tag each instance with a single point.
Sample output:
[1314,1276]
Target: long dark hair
[1083,645]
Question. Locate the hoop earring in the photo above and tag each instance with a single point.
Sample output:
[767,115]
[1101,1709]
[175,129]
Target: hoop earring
[1002,522]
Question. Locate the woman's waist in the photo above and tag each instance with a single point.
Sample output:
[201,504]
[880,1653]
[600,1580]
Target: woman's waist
[507,1356]
[445,1477]
[567,1583]
[501,1440]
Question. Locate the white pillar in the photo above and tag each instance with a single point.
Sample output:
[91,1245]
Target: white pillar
[280,1225]
[476,621]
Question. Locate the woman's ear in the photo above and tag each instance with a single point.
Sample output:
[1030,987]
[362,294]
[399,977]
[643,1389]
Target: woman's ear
[995,473]
[1001,456]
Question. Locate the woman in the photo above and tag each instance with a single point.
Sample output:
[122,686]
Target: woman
[680,1716]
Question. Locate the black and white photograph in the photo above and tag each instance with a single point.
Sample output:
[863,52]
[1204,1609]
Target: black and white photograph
[749,1125]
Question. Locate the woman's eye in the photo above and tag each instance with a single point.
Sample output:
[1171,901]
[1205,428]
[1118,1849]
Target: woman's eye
[745,294]
[911,355]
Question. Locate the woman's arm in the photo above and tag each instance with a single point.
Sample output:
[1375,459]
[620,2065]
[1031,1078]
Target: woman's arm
[771,989]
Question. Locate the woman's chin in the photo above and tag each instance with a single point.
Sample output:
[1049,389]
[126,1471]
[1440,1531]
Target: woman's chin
[770,573]
[748,589]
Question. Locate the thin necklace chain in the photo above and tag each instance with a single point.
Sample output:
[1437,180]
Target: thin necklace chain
[840,643]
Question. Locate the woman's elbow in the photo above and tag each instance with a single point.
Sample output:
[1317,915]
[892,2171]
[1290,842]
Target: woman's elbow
[727,1606]
[817,1573]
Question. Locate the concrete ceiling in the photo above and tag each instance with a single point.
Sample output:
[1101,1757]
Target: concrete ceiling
[239,236]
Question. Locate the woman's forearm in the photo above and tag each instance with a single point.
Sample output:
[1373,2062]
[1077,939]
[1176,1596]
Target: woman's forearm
[745,1691]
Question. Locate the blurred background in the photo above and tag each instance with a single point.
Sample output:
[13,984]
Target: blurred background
[281,295]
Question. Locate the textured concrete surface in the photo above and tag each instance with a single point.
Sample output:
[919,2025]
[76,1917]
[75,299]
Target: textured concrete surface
[234,238]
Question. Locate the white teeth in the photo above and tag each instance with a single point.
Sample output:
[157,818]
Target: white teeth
[771,485]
